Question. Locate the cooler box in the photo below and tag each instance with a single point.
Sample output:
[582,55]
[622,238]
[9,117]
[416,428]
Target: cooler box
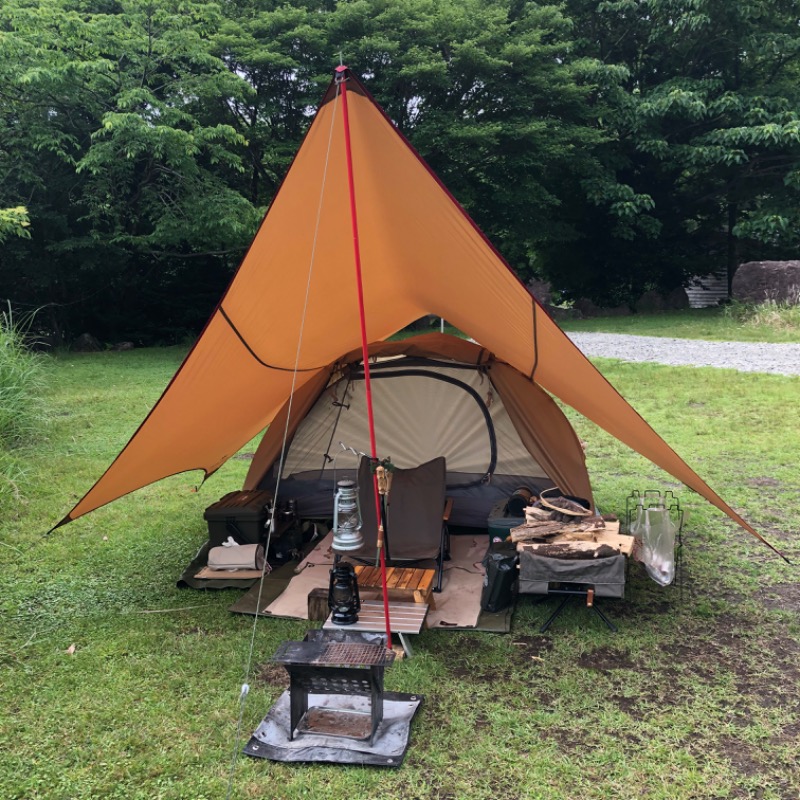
[499,525]
[239,514]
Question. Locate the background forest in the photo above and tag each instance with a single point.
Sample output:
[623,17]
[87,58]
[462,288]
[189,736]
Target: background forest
[609,147]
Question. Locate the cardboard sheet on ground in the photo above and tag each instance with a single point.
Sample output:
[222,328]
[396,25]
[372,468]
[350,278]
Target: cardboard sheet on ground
[458,606]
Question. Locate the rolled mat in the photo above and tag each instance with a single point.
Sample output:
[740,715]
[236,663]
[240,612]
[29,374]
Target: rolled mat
[242,556]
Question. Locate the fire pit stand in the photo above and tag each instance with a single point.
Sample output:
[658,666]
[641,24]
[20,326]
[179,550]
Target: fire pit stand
[325,666]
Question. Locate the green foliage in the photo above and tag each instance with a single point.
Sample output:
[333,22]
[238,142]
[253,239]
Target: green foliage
[706,128]
[21,410]
[112,133]
[14,221]
[611,146]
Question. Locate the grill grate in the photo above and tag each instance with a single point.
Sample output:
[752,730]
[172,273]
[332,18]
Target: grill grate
[348,653]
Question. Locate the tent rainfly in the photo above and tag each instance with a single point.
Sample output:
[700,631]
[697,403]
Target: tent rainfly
[290,316]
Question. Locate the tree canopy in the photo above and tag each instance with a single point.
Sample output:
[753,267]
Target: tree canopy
[610,147]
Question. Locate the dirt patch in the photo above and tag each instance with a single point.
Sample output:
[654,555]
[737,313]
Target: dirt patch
[606,659]
[743,757]
[773,534]
[758,482]
[531,648]
[781,597]
[269,674]
[467,657]
[789,734]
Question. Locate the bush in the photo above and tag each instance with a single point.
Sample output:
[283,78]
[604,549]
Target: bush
[778,315]
[21,412]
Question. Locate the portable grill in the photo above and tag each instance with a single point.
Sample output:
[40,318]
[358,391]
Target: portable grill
[351,667]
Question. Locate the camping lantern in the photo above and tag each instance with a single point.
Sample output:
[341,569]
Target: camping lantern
[343,599]
[346,518]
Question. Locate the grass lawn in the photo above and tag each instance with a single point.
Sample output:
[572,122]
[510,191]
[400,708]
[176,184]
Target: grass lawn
[694,698]
[718,324]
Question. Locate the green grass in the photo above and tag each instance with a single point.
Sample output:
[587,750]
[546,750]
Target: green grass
[736,323]
[21,410]
[693,698]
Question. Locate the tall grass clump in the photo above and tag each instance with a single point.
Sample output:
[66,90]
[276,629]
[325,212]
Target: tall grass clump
[21,410]
[782,315]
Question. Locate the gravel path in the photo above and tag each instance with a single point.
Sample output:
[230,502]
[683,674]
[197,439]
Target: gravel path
[778,359]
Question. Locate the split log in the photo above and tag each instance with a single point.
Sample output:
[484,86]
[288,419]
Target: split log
[534,514]
[576,550]
[544,530]
[536,530]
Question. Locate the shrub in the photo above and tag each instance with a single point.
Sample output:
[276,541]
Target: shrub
[777,314]
[21,412]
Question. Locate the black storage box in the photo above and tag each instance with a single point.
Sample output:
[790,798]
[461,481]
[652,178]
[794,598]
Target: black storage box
[241,515]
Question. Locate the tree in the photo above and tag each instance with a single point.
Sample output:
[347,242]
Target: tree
[105,135]
[707,126]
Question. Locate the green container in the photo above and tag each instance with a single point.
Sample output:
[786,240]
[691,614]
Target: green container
[499,525]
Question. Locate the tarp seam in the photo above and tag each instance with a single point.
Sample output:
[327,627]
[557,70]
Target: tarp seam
[255,355]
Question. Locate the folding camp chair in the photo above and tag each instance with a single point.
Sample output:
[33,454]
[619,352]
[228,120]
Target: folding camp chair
[417,511]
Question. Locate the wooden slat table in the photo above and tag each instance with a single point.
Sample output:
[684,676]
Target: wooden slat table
[404,618]
[402,583]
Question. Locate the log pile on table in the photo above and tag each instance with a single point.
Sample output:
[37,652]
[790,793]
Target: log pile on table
[559,527]
[546,530]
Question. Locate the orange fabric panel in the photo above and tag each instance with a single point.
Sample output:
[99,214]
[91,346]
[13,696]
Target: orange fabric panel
[219,399]
[544,430]
[420,254]
[269,448]
[299,274]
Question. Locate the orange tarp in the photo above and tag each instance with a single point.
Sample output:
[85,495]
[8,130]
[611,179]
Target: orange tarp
[292,304]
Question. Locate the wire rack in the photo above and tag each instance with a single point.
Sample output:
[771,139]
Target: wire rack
[655,498]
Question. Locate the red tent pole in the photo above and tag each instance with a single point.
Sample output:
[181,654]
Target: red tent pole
[341,79]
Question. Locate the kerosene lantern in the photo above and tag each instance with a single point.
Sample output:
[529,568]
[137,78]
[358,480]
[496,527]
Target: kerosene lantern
[343,599]
[346,518]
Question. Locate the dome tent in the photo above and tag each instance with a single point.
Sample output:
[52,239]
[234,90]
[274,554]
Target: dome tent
[433,395]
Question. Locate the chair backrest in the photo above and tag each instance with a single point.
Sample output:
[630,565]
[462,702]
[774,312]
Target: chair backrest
[414,511]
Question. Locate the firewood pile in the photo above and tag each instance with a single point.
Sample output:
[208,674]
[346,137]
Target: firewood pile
[549,517]
[546,530]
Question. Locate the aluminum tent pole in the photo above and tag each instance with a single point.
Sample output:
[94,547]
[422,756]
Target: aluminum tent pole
[341,80]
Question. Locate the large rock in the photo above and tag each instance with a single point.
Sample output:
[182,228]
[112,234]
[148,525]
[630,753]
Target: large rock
[677,300]
[541,290]
[587,308]
[86,343]
[650,302]
[653,301]
[760,281]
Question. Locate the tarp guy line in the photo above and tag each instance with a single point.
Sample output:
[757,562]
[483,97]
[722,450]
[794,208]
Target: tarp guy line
[264,569]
